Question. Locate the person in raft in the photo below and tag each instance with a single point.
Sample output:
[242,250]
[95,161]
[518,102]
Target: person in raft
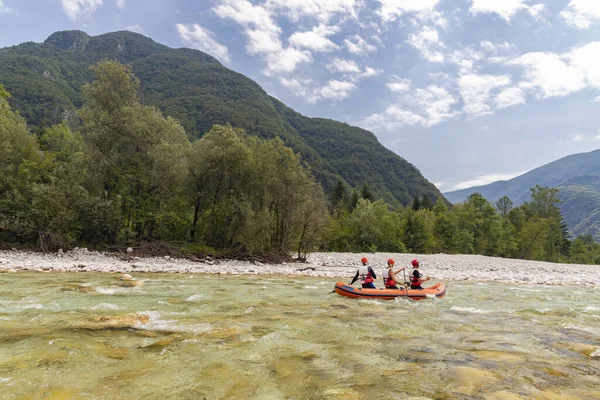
[389,276]
[417,278]
[365,274]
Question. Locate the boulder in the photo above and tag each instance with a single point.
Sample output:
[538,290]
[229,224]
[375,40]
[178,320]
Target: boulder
[126,277]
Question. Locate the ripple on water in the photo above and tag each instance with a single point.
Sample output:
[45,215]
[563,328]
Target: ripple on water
[470,310]
[157,323]
[105,306]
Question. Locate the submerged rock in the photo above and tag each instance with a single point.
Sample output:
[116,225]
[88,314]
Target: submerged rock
[112,321]
[78,288]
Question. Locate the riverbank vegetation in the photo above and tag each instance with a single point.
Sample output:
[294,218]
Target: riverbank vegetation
[121,173]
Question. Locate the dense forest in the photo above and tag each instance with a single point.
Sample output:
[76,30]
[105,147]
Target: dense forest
[120,173]
[45,80]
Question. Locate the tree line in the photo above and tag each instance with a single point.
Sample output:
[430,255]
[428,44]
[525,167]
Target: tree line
[121,173]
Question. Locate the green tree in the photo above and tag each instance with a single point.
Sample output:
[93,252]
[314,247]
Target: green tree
[416,205]
[504,205]
[426,202]
[138,155]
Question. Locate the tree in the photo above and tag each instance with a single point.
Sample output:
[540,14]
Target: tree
[416,205]
[504,205]
[426,202]
[137,154]
[366,193]
[339,198]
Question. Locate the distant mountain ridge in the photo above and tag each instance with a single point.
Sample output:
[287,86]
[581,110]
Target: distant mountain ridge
[576,176]
[45,81]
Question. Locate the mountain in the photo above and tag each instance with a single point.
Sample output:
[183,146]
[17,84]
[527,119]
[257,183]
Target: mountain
[578,178]
[45,81]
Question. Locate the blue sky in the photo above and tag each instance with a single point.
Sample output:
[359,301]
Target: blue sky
[469,91]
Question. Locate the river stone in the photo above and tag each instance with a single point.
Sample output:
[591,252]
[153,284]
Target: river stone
[471,380]
[78,288]
[113,321]
[503,395]
[115,353]
[548,395]
[126,277]
[499,356]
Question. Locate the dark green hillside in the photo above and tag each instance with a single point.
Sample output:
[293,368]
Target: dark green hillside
[45,81]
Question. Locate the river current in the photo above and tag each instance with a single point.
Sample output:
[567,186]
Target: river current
[82,336]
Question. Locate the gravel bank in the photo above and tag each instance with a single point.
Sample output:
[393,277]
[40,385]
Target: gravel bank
[441,267]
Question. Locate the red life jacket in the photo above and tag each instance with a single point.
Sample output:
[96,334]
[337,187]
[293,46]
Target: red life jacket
[387,279]
[414,281]
[365,274]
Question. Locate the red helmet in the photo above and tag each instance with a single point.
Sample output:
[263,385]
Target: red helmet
[391,262]
[364,260]
[415,263]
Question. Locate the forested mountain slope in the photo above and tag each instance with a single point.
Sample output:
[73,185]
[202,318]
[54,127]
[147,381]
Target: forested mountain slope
[45,81]
[578,178]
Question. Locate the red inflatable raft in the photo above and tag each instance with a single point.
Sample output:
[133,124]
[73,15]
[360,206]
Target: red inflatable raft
[438,290]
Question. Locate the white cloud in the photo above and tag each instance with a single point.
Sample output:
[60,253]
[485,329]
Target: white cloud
[370,72]
[261,42]
[436,104]
[400,86]
[134,28]
[202,39]
[352,70]
[486,179]
[536,11]
[425,106]
[322,10]
[510,97]
[440,184]
[341,65]
[316,39]
[332,90]
[504,8]
[581,13]
[5,9]
[336,90]
[475,91]
[584,137]
[494,47]
[357,45]
[587,60]
[263,35]
[466,59]
[286,60]
[392,118]
[247,14]
[426,41]
[78,8]
[555,75]
[597,99]
[392,9]
[120,3]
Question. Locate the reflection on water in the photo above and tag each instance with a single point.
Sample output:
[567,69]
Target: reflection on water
[183,337]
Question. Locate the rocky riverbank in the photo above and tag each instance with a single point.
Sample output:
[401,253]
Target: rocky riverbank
[441,267]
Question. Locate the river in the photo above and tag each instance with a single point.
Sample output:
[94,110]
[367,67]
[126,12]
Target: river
[81,336]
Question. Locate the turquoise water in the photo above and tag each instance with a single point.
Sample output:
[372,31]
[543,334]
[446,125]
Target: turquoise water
[82,336]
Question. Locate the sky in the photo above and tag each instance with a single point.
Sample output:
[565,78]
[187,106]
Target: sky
[469,91]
